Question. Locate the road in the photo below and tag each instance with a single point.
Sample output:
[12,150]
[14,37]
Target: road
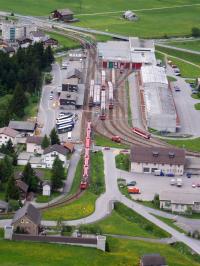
[47,113]
[178,49]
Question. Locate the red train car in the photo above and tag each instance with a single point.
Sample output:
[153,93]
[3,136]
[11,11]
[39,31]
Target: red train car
[141,133]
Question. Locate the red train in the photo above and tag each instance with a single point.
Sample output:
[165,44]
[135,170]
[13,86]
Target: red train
[85,176]
[141,133]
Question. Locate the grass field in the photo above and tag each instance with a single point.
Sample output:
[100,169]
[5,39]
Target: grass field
[66,43]
[197,106]
[124,221]
[44,199]
[187,70]
[193,58]
[191,45]
[191,144]
[106,142]
[122,252]
[152,23]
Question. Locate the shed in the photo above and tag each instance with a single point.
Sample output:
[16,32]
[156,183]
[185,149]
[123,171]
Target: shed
[63,14]
[130,15]
[46,189]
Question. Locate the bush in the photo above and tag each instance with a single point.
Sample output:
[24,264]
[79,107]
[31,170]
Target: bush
[107,248]
[48,78]
[156,201]
[14,205]
[195,32]
[196,234]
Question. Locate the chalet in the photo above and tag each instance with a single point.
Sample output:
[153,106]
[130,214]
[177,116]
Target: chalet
[7,134]
[152,260]
[33,144]
[37,162]
[24,42]
[50,42]
[23,188]
[51,152]
[27,220]
[23,158]
[63,14]
[9,50]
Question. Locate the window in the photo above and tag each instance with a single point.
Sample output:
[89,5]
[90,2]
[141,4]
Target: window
[22,221]
[146,169]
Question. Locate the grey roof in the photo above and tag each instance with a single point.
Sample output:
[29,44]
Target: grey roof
[158,155]
[9,132]
[140,44]
[34,139]
[22,125]
[30,211]
[65,11]
[71,81]
[71,96]
[81,93]
[74,73]
[35,160]
[39,34]
[153,74]
[153,260]
[24,156]
[56,147]
[9,49]
[3,205]
[180,197]
[22,185]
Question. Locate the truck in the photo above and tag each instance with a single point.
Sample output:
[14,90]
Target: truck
[179,182]
[158,173]
[133,190]
[116,139]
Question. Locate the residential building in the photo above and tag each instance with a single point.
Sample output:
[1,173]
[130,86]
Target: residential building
[50,42]
[63,14]
[33,144]
[38,36]
[37,162]
[159,111]
[27,219]
[51,152]
[9,50]
[179,201]
[3,206]
[23,158]
[24,42]
[25,127]
[69,146]
[46,189]
[13,31]
[7,134]
[148,159]
[152,260]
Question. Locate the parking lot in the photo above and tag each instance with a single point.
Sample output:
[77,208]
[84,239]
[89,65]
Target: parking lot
[149,185]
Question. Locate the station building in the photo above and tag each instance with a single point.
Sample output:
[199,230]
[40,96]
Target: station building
[149,159]
[158,104]
[131,54]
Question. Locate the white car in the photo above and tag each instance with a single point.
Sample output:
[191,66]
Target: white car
[50,97]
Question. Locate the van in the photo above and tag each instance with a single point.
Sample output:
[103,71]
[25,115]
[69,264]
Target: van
[69,136]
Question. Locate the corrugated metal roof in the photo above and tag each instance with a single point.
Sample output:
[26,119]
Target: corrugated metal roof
[153,74]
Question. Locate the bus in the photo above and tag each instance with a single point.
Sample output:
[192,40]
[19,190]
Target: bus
[64,128]
[65,121]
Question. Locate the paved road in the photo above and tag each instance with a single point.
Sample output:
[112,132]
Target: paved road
[178,49]
[47,113]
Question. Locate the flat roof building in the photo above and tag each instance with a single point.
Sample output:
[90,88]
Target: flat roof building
[126,54]
[160,112]
[179,201]
[149,159]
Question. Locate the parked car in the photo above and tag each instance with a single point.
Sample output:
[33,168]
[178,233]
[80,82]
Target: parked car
[188,175]
[107,148]
[177,88]
[179,182]
[132,183]
[170,174]
[193,185]
[174,66]
[173,182]
[116,139]
[134,190]
[50,97]
[198,185]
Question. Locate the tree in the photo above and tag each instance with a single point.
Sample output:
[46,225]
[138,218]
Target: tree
[6,168]
[45,142]
[30,178]
[49,55]
[156,201]
[12,192]
[54,137]
[57,174]
[18,102]
[195,32]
